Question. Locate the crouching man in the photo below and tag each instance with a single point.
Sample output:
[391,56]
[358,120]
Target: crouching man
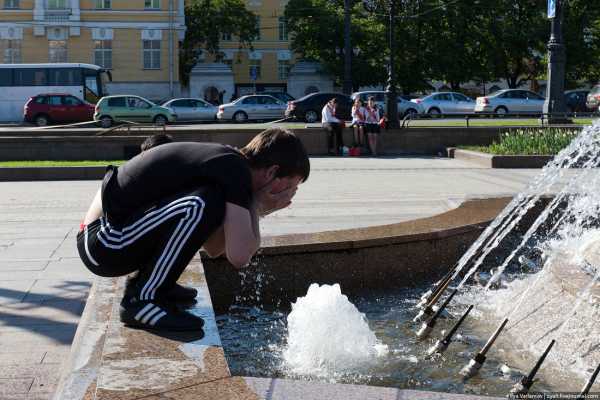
[153,213]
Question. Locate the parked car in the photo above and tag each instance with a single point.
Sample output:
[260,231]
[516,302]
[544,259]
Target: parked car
[593,98]
[405,107]
[252,107]
[511,101]
[576,100]
[48,108]
[283,96]
[309,107]
[111,109]
[446,103]
[192,109]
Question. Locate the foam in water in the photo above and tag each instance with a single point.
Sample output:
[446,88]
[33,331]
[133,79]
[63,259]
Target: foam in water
[328,336]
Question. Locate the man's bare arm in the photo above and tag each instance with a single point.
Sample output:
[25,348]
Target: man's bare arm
[215,244]
[95,210]
[242,235]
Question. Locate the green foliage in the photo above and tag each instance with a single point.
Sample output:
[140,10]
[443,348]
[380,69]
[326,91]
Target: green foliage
[317,28]
[451,41]
[536,141]
[207,21]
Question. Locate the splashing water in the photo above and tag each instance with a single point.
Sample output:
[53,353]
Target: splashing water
[327,335]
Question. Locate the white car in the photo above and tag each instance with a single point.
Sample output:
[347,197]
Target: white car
[192,109]
[511,101]
[446,103]
[252,107]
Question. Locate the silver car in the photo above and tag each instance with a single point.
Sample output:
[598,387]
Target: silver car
[192,109]
[446,103]
[252,107]
[404,106]
[511,101]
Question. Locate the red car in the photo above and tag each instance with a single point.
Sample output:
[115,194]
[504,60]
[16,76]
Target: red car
[44,109]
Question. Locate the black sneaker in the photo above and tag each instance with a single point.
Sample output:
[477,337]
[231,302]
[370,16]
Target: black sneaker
[181,293]
[155,316]
[177,293]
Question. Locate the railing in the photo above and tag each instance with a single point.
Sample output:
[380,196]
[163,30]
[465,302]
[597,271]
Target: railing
[57,14]
[544,118]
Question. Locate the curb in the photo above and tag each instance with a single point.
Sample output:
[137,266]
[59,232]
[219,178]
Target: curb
[499,161]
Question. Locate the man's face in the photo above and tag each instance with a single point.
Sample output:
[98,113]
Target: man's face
[287,183]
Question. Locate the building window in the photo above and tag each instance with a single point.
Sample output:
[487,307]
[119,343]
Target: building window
[228,62]
[103,4]
[151,54]
[12,51]
[257,37]
[254,65]
[11,3]
[152,4]
[283,32]
[57,4]
[283,69]
[103,53]
[226,37]
[57,51]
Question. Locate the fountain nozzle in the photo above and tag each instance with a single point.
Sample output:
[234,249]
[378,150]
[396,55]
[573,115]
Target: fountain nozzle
[428,326]
[441,345]
[476,362]
[523,386]
[589,383]
[431,293]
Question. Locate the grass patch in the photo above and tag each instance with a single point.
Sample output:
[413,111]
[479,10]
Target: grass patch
[42,163]
[543,141]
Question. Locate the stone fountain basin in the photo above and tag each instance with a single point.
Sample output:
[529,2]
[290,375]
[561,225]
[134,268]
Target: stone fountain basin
[110,361]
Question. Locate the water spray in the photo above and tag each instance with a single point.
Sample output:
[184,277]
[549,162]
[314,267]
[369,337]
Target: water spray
[589,384]
[441,345]
[525,384]
[477,362]
[427,327]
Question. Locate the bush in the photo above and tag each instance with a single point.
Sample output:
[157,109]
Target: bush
[536,141]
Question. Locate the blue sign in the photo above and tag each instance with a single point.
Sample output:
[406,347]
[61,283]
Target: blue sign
[253,72]
[551,9]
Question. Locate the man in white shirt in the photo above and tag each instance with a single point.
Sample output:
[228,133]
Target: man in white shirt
[333,126]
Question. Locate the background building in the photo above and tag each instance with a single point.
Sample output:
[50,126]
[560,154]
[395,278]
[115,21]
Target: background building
[136,39]
[271,66]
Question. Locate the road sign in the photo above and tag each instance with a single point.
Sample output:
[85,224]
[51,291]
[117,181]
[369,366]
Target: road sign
[551,9]
[253,72]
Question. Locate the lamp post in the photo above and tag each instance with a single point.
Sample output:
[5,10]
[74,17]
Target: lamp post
[347,86]
[391,99]
[555,100]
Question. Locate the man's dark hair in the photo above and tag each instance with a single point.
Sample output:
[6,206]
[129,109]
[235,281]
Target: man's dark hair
[277,146]
[156,140]
[371,98]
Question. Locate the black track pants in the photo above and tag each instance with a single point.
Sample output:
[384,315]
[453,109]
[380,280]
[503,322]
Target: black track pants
[159,242]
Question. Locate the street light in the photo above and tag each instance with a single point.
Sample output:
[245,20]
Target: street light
[391,102]
[555,86]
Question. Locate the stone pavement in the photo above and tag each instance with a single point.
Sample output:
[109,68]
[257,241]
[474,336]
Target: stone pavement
[44,286]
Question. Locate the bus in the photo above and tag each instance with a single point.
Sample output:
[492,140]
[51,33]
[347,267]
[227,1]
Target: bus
[19,82]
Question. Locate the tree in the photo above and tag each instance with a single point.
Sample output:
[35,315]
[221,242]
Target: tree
[207,21]
[581,35]
[514,34]
[453,47]
[317,33]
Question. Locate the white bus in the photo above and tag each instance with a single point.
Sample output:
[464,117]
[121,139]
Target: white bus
[19,82]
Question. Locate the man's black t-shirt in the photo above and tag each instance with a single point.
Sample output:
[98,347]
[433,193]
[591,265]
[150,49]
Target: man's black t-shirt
[173,168]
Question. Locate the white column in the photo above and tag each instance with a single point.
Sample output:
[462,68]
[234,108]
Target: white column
[75,16]
[38,18]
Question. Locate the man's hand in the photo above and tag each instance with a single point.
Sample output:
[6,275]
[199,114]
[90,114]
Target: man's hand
[274,196]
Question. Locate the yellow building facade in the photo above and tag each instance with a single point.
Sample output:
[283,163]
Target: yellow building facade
[137,40]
